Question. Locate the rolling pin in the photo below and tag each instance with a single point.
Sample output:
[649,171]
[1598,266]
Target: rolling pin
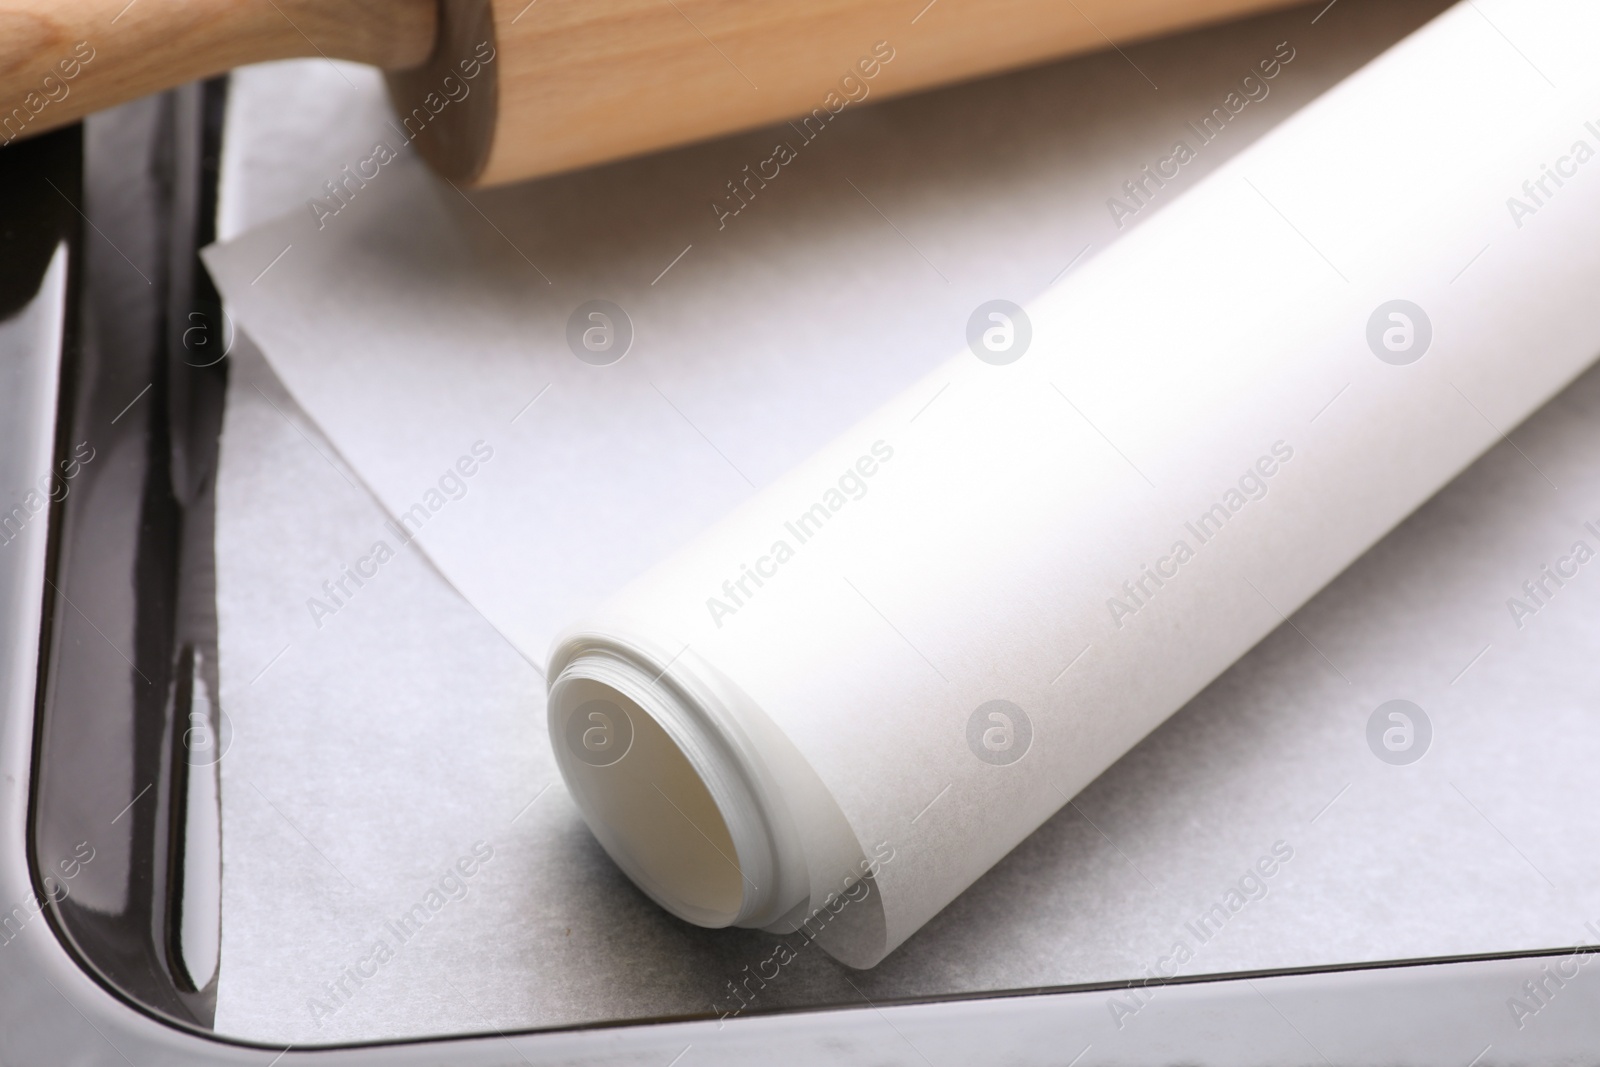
[494,91]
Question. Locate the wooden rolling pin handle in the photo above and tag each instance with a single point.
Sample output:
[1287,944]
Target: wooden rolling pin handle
[449,106]
[62,59]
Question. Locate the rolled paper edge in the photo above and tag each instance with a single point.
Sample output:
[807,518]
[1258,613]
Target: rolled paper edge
[813,858]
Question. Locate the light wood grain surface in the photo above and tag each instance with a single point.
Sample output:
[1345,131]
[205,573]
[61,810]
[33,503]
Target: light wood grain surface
[583,81]
[495,91]
[62,59]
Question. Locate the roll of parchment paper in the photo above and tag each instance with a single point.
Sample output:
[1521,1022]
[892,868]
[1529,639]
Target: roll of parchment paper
[841,705]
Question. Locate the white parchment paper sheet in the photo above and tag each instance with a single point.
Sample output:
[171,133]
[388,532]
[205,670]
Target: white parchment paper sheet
[1207,427]
[387,749]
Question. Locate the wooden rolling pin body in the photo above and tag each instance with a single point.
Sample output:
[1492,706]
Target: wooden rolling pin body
[495,91]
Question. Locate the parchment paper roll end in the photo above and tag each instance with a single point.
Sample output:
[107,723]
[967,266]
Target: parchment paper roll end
[701,801]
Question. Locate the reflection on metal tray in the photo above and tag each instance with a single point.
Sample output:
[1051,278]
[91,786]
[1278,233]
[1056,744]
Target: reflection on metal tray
[126,841]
